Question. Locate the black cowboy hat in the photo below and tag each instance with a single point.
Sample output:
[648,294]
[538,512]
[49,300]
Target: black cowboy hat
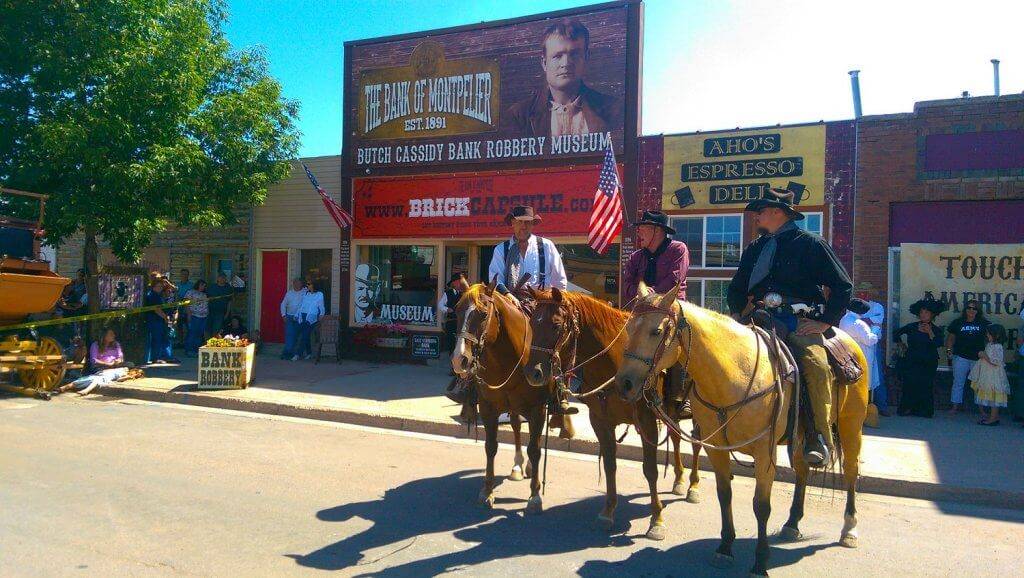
[858,306]
[778,198]
[931,304]
[656,218]
[522,213]
[455,277]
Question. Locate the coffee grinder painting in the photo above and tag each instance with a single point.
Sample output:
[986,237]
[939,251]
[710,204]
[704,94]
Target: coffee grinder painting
[120,291]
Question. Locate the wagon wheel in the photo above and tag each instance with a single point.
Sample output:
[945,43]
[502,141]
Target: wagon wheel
[48,376]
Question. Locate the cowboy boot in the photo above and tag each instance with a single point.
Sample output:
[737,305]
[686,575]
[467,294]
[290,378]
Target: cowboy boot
[562,405]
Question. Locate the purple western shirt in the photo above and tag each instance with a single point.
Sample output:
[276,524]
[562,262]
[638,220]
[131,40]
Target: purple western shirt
[671,269]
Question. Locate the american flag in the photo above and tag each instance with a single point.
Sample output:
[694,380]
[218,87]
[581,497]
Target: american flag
[340,216]
[606,215]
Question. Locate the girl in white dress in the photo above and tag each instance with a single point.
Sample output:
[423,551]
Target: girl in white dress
[988,376]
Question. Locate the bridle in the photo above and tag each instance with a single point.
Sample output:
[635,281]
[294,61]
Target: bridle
[571,333]
[677,322]
[478,340]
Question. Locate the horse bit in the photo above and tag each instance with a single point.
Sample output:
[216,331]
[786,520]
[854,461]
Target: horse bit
[558,375]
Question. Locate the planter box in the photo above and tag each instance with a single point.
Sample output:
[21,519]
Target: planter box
[226,367]
[391,342]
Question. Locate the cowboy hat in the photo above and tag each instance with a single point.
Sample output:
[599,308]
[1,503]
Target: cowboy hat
[858,306]
[522,213]
[779,199]
[930,303]
[656,218]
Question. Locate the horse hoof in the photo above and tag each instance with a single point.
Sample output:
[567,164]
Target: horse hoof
[486,502]
[789,534]
[722,560]
[678,490]
[535,506]
[693,496]
[516,475]
[604,522]
[656,533]
[848,541]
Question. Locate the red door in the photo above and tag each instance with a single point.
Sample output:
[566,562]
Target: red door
[275,285]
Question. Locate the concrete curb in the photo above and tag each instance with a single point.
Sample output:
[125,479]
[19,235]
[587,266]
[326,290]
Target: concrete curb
[866,484]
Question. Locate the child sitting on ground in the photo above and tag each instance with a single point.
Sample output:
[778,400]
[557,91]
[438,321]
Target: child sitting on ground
[988,376]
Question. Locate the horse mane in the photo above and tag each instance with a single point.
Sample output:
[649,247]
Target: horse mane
[601,315]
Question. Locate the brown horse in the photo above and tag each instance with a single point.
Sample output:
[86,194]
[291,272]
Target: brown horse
[492,345]
[739,400]
[570,326]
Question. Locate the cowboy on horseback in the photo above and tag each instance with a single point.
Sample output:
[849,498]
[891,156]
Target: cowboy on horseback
[798,266]
[534,258]
[661,263]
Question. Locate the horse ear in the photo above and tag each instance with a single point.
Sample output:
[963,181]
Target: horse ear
[669,298]
[556,294]
[492,286]
[643,290]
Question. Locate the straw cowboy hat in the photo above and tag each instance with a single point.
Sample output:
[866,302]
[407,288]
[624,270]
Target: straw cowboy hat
[779,199]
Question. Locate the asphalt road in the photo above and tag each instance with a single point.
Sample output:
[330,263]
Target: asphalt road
[101,487]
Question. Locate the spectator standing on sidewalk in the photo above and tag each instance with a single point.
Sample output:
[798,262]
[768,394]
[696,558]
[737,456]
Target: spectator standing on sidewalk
[156,323]
[290,313]
[220,303]
[457,285]
[965,339]
[311,309]
[185,285]
[197,311]
[1017,390]
[875,318]
[920,358]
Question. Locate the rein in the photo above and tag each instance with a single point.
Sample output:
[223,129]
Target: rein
[477,342]
[650,394]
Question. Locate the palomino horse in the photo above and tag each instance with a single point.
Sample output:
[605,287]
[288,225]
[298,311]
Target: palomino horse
[739,398]
[568,325]
[492,345]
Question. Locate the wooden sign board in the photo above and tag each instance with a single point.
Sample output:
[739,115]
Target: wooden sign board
[226,367]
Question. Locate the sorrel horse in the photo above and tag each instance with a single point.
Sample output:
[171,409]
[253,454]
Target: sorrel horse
[570,326]
[492,345]
[739,398]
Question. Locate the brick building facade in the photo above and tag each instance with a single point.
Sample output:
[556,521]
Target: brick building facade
[951,171]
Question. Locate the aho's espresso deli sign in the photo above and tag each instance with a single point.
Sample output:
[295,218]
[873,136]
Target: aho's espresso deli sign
[731,169]
[529,89]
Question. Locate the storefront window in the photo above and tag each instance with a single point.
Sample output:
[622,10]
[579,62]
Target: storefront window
[811,223]
[715,241]
[591,273]
[316,266]
[709,293]
[396,284]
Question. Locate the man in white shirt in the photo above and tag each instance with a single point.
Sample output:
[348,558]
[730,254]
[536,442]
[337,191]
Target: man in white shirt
[526,253]
[875,318]
[311,309]
[867,337]
[290,313]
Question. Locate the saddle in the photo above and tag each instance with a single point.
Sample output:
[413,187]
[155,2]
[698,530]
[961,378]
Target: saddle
[843,361]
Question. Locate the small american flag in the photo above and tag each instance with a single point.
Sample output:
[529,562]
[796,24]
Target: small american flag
[340,216]
[606,215]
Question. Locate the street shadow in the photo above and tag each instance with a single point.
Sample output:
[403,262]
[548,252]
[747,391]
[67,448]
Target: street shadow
[448,504]
[694,559]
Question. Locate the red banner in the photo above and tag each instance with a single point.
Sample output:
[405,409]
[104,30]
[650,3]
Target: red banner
[473,206]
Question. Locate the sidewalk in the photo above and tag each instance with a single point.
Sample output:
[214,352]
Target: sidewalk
[942,459]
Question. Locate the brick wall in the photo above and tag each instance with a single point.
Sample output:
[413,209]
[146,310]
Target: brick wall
[840,160]
[890,168]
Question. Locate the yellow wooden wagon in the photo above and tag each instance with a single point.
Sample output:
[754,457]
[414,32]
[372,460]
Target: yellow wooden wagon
[27,286]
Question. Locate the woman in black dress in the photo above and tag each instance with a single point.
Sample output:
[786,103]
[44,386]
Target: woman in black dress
[921,358]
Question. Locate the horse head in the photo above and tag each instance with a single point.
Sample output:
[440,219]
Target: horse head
[475,318]
[553,324]
[652,346]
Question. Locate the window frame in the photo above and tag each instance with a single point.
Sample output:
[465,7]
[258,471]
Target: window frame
[704,237]
[703,290]
[821,222]
[438,246]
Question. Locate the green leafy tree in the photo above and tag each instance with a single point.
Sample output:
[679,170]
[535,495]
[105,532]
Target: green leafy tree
[136,115]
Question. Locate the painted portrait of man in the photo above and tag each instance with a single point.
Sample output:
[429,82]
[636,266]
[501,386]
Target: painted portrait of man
[564,104]
[367,293]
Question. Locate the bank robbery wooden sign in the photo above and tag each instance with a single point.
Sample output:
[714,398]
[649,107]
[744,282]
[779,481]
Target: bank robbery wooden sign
[525,90]
[720,170]
[473,206]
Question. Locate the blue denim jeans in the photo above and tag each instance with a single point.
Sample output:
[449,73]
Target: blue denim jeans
[961,369]
[196,331]
[156,344]
[291,336]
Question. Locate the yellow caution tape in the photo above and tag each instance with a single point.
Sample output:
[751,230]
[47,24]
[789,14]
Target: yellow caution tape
[104,315]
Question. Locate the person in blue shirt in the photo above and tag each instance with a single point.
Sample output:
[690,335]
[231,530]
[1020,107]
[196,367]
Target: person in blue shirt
[156,324]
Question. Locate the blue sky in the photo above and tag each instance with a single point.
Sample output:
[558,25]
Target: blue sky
[707,64]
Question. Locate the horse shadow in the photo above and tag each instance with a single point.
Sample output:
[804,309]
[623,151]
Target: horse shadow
[694,559]
[448,504]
